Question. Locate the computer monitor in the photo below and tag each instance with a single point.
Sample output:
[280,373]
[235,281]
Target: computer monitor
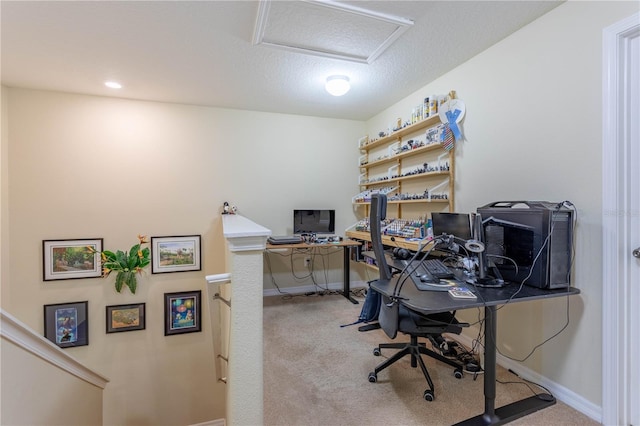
[468,230]
[456,224]
[316,221]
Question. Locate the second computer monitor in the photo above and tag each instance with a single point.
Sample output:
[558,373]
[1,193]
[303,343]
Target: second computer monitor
[457,224]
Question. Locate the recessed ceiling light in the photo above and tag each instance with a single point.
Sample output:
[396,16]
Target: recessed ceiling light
[113,84]
[337,85]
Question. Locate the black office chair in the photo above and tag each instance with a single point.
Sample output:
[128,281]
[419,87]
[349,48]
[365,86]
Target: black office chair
[394,317]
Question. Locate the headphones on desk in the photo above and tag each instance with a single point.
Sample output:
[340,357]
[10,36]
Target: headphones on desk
[401,253]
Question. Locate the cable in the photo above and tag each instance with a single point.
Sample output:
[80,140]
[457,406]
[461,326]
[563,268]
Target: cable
[538,254]
[526,383]
[307,276]
[412,266]
[273,280]
[541,343]
[558,206]
[506,258]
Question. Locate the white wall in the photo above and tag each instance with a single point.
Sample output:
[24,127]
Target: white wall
[533,132]
[27,398]
[84,167]
[30,364]
[275,163]
[4,195]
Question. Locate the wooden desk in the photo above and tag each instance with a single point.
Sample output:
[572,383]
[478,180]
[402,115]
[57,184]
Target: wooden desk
[429,302]
[345,244]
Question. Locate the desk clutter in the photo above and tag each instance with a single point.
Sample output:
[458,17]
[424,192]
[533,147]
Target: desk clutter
[405,309]
[431,274]
[304,238]
[320,239]
[405,228]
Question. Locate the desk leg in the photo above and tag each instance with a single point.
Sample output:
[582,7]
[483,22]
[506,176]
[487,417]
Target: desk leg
[346,279]
[490,331]
[509,412]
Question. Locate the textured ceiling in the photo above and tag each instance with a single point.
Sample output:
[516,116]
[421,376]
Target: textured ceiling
[202,52]
[329,29]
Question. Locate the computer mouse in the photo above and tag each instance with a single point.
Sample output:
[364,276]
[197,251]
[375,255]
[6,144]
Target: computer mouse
[426,278]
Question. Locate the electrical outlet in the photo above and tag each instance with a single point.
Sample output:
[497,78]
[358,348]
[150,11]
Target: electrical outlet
[307,261]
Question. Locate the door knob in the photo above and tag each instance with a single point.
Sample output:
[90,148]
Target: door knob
[636,252]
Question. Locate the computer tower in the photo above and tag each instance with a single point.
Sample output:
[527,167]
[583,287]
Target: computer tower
[537,236]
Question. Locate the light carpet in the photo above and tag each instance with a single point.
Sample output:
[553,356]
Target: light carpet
[316,373]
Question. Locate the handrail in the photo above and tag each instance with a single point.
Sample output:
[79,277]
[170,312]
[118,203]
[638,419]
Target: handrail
[24,337]
[217,280]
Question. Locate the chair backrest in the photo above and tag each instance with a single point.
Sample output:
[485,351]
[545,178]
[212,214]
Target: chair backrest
[378,213]
[389,309]
[389,316]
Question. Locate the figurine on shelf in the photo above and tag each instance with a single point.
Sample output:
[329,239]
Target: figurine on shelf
[228,209]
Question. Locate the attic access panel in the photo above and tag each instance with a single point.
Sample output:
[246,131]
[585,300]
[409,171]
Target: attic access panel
[327,28]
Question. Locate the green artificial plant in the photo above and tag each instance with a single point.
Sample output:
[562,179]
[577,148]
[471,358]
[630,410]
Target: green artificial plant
[126,265]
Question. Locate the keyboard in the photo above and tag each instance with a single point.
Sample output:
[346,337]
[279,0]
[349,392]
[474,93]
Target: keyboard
[437,269]
[284,239]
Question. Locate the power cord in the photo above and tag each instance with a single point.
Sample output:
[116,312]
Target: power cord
[566,324]
[558,207]
[322,290]
[267,260]
[544,397]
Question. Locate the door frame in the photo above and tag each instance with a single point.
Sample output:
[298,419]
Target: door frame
[616,244]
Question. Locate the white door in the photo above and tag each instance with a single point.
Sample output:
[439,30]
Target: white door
[621,223]
[634,273]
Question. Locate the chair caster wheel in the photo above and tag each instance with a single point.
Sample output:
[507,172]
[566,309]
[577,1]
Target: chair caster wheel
[373,377]
[376,352]
[428,395]
[458,374]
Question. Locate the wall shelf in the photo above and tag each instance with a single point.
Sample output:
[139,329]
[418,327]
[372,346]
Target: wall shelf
[401,158]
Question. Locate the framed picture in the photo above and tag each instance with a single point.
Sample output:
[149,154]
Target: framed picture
[175,254]
[70,259]
[67,324]
[125,317]
[182,312]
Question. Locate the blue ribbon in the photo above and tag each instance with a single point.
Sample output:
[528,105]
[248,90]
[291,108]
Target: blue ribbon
[453,125]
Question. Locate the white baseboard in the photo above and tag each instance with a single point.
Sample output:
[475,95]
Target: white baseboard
[217,422]
[561,393]
[311,288]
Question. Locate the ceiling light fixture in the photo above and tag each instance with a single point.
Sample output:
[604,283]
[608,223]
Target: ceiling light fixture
[113,84]
[337,85]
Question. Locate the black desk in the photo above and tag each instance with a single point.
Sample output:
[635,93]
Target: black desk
[430,302]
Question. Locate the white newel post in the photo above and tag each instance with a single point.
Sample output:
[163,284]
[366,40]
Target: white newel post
[246,243]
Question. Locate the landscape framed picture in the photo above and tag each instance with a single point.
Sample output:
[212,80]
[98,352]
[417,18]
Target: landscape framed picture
[175,254]
[125,317]
[67,324]
[70,259]
[182,312]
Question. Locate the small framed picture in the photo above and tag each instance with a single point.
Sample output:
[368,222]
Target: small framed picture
[125,317]
[175,254]
[182,312]
[70,259]
[67,324]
